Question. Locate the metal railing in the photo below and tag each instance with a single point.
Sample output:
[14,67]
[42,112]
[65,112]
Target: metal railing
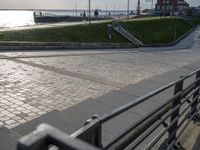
[173,116]
[124,31]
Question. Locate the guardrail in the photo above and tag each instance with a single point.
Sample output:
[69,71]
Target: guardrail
[174,116]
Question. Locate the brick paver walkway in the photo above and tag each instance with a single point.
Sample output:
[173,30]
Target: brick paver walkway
[32,84]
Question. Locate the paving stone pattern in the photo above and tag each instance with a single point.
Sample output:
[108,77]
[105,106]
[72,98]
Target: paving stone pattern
[45,81]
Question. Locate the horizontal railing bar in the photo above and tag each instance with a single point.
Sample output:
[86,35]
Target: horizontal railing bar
[190,87]
[143,119]
[151,144]
[167,116]
[161,134]
[180,133]
[191,94]
[126,107]
[161,121]
[166,129]
[179,125]
[135,125]
[186,108]
[46,135]
[106,117]
[191,74]
[152,129]
[139,100]
[187,98]
[86,129]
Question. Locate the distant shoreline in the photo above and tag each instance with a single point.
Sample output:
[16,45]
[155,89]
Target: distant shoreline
[6,21]
[60,10]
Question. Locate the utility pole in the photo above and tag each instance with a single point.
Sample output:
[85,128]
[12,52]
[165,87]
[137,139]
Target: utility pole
[165,2]
[128,9]
[152,7]
[106,10]
[89,11]
[138,13]
[76,8]
[114,9]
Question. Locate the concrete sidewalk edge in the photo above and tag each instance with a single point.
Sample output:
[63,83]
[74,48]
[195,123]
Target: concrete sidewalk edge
[61,45]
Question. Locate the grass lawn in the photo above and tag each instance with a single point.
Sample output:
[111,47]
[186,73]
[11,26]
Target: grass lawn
[194,21]
[94,33]
[148,30]
[159,31]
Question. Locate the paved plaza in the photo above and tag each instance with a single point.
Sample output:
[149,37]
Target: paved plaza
[35,83]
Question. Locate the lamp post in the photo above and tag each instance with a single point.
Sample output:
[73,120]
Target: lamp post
[76,9]
[128,9]
[151,7]
[89,11]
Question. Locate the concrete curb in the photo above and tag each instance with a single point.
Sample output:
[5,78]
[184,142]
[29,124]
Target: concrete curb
[60,45]
[172,43]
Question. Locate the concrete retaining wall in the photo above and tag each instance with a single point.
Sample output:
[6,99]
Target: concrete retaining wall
[53,46]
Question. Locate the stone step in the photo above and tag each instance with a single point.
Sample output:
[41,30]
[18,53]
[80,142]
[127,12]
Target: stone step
[53,118]
[8,139]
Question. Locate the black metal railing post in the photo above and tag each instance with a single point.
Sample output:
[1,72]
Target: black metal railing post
[195,95]
[173,129]
[93,136]
[97,134]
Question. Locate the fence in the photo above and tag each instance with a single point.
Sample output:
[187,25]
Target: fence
[174,115]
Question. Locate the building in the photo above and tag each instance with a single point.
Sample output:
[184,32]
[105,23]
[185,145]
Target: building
[194,11]
[172,7]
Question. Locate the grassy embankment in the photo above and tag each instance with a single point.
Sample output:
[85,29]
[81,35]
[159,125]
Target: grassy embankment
[150,31]
[158,31]
[94,33]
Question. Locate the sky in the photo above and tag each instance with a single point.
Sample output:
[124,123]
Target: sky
[80,4]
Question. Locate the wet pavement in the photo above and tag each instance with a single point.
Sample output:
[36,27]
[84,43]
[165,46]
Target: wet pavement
[35,83]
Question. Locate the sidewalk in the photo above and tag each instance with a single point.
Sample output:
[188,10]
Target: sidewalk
[73,118]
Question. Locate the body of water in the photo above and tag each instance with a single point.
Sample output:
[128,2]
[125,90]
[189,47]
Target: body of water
[16,18]
[13,18]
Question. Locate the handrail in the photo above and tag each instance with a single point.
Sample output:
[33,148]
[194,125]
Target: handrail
[46,135]
[134,135]
[139,100]
[126,107]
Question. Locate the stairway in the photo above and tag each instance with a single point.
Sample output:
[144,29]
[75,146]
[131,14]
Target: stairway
[122,31]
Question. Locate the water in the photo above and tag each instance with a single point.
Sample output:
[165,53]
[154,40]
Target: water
[11,18]
[16,18]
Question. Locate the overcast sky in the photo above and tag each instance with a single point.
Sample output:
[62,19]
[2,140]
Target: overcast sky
[81,4]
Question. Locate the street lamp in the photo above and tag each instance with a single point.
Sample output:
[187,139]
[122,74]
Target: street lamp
[151,7]
[89,11]
[128,8]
